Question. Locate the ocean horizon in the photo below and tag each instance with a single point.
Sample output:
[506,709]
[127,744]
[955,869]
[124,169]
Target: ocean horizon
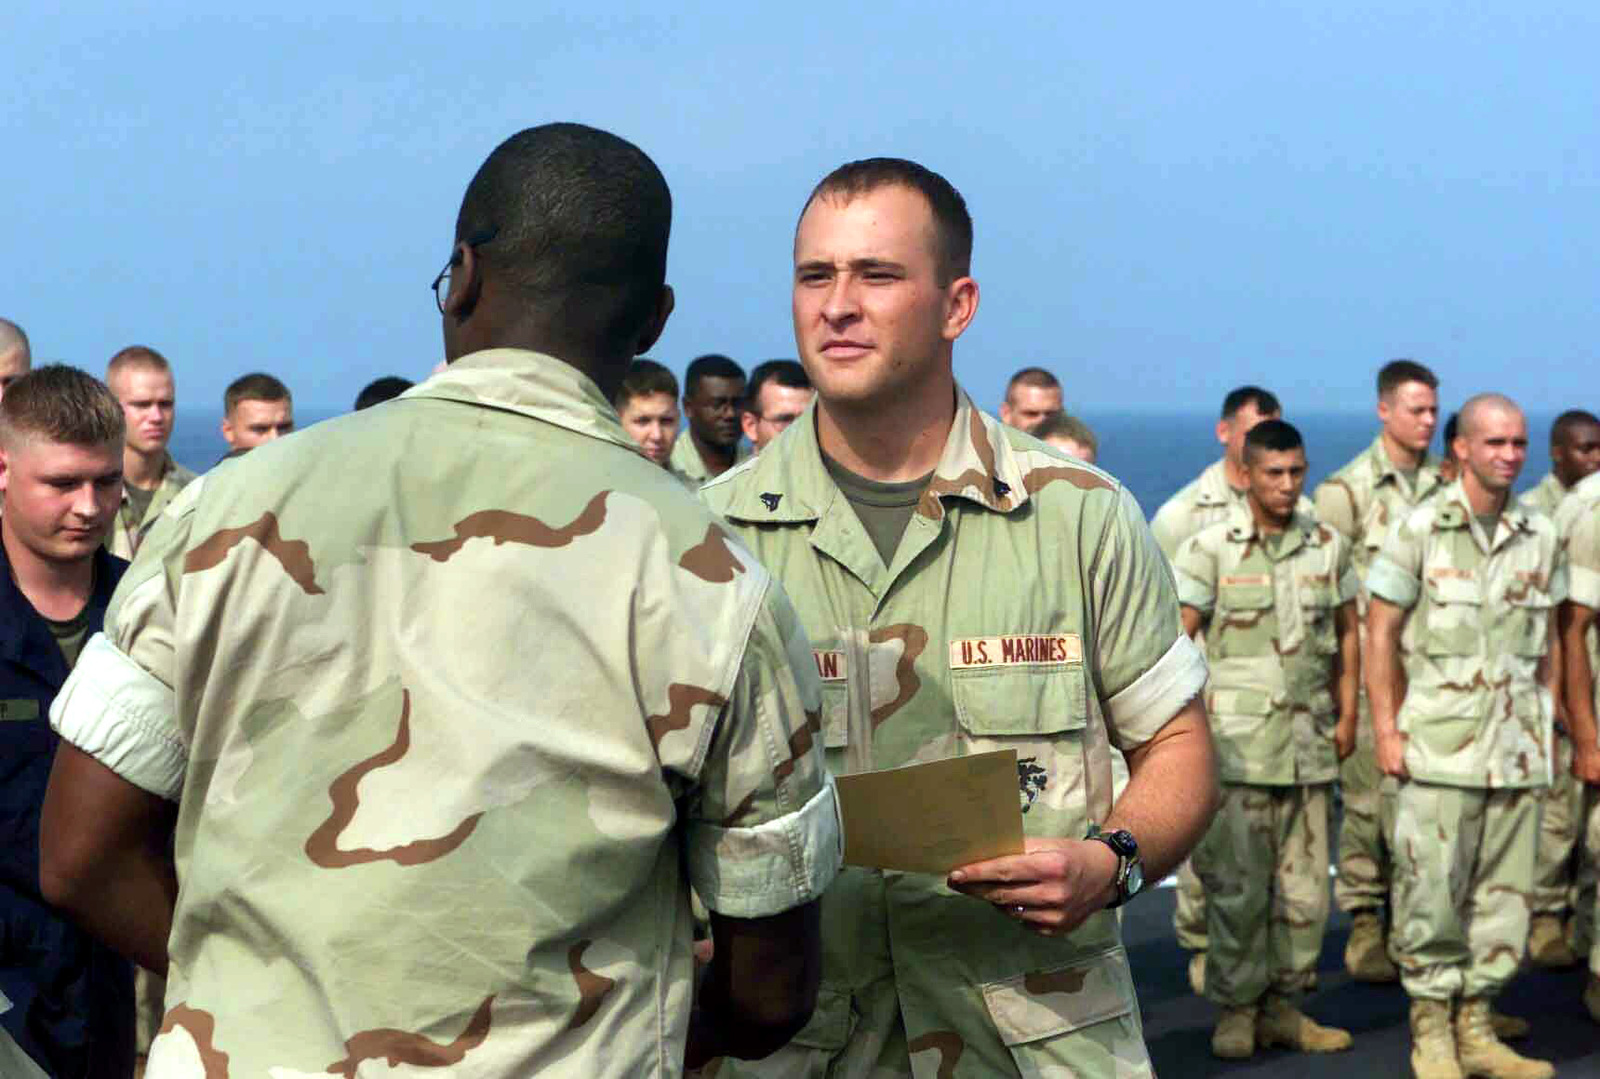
[1152,453]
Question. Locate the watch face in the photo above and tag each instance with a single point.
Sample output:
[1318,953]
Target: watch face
[1124,842]
[1135,879]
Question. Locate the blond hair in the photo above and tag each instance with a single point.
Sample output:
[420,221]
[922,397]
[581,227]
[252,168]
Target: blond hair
[60,404]
[136,357]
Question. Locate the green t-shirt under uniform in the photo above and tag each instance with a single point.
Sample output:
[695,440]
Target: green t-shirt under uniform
[884,508]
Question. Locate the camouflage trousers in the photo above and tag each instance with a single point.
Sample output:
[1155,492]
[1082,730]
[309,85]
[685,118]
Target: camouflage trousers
[1189,916]
[1463,868]
[1587,906]
[1560,814]
[904,995]
[1264,864]
[1365,865]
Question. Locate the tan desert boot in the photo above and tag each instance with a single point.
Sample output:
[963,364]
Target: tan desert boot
[1365,955]
[1281,1023]
[1235,1036]
[1483,1054]
[1197,973]
[1433,1042]
[1547,942]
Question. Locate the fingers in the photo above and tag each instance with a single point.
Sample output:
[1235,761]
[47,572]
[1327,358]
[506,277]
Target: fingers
[1013,868]
[1025,895]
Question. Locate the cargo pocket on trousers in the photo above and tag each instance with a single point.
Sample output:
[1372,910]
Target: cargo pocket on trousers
[1083,1014]
[830,1023]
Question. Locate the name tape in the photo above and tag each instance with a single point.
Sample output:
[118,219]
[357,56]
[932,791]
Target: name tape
[830,666]
[1018,650]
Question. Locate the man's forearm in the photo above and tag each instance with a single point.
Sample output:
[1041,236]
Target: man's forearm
[1171,793]
[1385,680]
[1577,673]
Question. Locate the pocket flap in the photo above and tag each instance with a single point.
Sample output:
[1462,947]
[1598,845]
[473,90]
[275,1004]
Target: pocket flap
[1001,701]
[829,1026]
[1043,1004]
[1245,591]
[1447,585]
[1240,702]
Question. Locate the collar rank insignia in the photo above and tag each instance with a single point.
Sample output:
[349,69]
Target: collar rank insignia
[771,501]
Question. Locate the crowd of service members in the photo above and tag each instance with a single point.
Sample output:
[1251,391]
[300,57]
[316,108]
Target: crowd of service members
[1415,634]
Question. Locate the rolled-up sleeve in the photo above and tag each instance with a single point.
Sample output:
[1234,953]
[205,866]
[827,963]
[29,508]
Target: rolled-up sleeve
[121,715]
[1582,543]
[763,826]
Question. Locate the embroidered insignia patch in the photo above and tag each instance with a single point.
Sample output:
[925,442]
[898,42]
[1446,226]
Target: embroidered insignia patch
[1031,779]
[771,501]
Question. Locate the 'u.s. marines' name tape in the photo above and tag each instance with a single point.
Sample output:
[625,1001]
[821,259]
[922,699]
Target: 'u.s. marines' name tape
[1032,649]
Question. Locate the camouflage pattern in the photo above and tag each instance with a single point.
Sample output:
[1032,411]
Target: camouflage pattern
[685,461]
[1463,867]
[128,531]
[1578,521]
[1586,907]
[1479,611]
[1270,643]
[1546,496]
[1265,868]
[1027,608]
[1560,819]
[451,735]
[1361,501]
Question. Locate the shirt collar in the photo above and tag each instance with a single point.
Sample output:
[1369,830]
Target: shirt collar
[1456,512]
[1385,469]
[529,384]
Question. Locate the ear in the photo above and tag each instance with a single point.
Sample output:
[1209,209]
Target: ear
[651,332]
[5,470]
[1223,430]
[1005,413]
[961,304]
[1383,410]
[465,284]
[227,430]
[747,424]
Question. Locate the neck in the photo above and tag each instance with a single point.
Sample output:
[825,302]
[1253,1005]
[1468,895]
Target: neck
[1268,524]
[717,459]
[1482,500]
[1234,472]
[143,469]
[57,590]
[890,441]
[1401,456]
[1566,482]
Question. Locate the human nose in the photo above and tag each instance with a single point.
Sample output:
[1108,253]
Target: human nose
[840,303]
[84,503]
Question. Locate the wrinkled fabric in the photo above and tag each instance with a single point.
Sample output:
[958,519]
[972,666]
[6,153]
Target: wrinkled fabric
[130,528]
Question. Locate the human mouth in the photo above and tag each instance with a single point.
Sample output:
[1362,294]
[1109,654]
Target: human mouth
[841,349]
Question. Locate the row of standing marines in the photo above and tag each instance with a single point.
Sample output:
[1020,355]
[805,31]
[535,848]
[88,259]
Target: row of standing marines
[261,786]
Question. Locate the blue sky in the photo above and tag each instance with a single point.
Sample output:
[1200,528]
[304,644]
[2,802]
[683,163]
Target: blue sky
[1168,200]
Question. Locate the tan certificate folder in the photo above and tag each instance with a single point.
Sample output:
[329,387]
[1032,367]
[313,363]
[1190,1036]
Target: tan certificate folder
[930,818]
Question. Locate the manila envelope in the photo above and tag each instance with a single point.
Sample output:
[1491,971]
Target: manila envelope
[930,818]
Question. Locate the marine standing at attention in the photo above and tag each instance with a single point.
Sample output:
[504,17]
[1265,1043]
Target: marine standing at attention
[1210,497]
[1574,454]
[1578,521]
[967,589]
[435,808]
[713,399]
[1460,631]
[1362,501]
[142,380]
[1275,593]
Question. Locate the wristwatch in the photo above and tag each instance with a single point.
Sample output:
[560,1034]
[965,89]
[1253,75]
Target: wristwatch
[1130,868]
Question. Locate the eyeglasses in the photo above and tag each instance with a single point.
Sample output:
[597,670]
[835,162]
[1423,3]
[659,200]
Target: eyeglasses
[441,284]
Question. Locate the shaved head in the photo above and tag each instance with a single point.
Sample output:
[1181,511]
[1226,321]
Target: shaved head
[16,359]
[1472,413]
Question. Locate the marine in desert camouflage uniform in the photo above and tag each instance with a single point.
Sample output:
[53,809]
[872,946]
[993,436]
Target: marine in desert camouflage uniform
[450,735]
[1209,498]
[966,589]
[1276,594]
[1363,500]
[1460,630]
[1578,521]
[1574,454]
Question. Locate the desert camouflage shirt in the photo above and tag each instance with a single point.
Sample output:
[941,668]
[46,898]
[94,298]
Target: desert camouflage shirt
[1026,608]
[1479,619]
[1546,497]
[1271,644]
[128,530]
[1364,499]
[1578,521]
[687,462]
[456,697]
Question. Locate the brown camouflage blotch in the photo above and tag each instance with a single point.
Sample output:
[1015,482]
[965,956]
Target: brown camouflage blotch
[293,555]
[323,845]
[1080,478]
[915,639]
[202,1028]
[404,1047]
[981,479]
[592,988]
[681,699]
[712,560]
[1059,981]
[732,820]
[800,743]
[947,1043]
[503,526]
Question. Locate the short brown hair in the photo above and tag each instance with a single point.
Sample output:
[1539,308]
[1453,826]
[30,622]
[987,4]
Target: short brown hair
[1396,373]
[137,356]
[60,404]
[1037,377]
[645,377]
[952,224]
[256,386]
[1062,425]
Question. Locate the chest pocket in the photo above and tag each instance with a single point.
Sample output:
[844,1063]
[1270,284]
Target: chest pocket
[1529,621]
[1319,605]
[1244,623]
[1455,615]
[1002,702]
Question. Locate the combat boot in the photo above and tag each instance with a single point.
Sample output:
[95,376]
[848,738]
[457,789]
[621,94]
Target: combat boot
[1483,1054]
[1365,956]
[1433,1042]
[1547,942]
[1197,973]
[1508,1028]
[1591,997]
[1281,1023]
[1235,1036]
